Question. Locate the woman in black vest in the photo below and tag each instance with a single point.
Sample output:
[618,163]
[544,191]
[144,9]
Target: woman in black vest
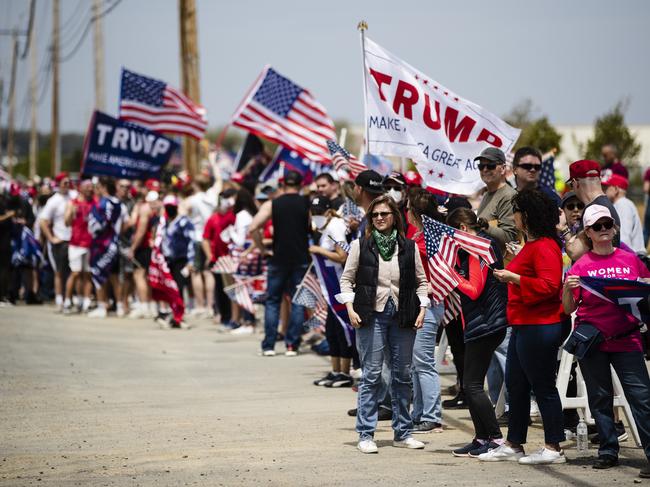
[483,301]
[384,288]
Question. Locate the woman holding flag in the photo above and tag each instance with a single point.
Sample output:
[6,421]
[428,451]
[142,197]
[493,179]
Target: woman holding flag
[620,345]
[483,301]
[385,291]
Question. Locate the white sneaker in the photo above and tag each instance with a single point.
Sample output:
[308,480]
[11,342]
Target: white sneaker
[198,313]
[137,313]
[409,442]
[502,454]
[120,312]
[98,313]
[243,330]
[268,353]
[367,446]
[184,325]
[544,457]
[291,353]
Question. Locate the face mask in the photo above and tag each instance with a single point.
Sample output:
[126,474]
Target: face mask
[227,204]
[395,194]
[319,220]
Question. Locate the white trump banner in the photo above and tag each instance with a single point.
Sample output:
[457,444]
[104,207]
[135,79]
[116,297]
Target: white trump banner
[408,114]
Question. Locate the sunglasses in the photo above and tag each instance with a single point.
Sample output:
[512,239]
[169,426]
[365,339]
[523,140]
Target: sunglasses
[530,167]
[380,214]
[608,225]
[490,166]
[574,206]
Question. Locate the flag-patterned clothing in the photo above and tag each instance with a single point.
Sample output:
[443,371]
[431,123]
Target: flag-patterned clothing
[159,107]
[281,111]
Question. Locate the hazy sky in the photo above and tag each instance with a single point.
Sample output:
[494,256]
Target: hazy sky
[574,59]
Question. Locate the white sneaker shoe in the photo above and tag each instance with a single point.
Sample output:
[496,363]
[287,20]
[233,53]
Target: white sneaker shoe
[502,454]
[367,446]
[120,312]
[409,442]
[184,325]
[136,313]
[98,313]
[243,330]
[268,353]
[544,457]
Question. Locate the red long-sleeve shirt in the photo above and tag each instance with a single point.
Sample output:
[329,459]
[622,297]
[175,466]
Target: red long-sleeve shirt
[537,299]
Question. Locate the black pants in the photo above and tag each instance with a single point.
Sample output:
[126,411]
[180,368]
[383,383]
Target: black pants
[221,301]
[456,341]
[175,267]
[478,355]
[336,337]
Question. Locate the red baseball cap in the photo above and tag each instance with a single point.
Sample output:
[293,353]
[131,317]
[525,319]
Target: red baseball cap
[616,180]
[60,177]
[152,184]
[413,178]
[584,169]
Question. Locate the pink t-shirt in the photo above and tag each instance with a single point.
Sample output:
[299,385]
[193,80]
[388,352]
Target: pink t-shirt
[608,317]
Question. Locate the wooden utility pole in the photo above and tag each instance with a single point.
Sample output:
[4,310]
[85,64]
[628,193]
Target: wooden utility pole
[55,150]
[12,106]
[100,100]
[189,74]
[33,87]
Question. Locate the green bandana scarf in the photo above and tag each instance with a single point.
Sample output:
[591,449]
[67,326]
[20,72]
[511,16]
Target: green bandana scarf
[386,243]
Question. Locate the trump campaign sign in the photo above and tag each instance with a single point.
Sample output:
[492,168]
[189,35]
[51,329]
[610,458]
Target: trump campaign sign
[409,114]
[124,150]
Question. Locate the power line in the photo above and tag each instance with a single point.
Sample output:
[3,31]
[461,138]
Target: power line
[87,29]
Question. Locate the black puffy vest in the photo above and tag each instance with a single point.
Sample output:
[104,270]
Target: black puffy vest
[487,314]
[365,290]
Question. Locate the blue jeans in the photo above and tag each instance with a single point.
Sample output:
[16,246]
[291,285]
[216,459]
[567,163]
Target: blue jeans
[532,364]
[372,340]
[631,370]
[280,280]
[426,381]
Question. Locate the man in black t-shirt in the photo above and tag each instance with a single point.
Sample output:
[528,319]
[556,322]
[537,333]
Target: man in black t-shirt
[288,261]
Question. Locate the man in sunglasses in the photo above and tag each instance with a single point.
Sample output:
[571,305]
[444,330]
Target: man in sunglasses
[527,167]
[584,179]
[495,206]
[631,229]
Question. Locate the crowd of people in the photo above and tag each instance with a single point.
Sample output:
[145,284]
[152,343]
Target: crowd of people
[88,244]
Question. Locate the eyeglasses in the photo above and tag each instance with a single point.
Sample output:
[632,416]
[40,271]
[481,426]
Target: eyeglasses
[530,167]
[574,206]
[380,214]
[490,166]
[607,225]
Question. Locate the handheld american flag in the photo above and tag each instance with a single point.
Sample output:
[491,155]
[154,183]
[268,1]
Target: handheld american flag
[547,174]
[442,243]
[309,293]
[281,111]
[159,107]
[343,160]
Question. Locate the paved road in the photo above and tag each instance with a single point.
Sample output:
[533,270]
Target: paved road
[119,402]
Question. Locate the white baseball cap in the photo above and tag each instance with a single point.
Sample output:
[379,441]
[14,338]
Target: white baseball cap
[152,196]
[594,213]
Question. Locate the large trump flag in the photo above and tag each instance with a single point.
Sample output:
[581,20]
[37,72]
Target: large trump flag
[409,114]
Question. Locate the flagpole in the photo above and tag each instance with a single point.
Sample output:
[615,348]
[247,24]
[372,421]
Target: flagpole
[362,26]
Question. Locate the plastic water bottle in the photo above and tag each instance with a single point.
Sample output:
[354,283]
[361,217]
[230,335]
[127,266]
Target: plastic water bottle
[582,439]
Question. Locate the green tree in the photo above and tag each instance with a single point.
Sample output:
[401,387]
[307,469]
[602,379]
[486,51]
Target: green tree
[611,129]
[535,131]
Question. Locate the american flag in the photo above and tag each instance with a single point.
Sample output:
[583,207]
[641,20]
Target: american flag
[452,307]
[318,319]
[281,111]
[442,243]
[159,107]
[240,294]
[547,174]
[225,264]
[343,160]
[309,293]
[342,244]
